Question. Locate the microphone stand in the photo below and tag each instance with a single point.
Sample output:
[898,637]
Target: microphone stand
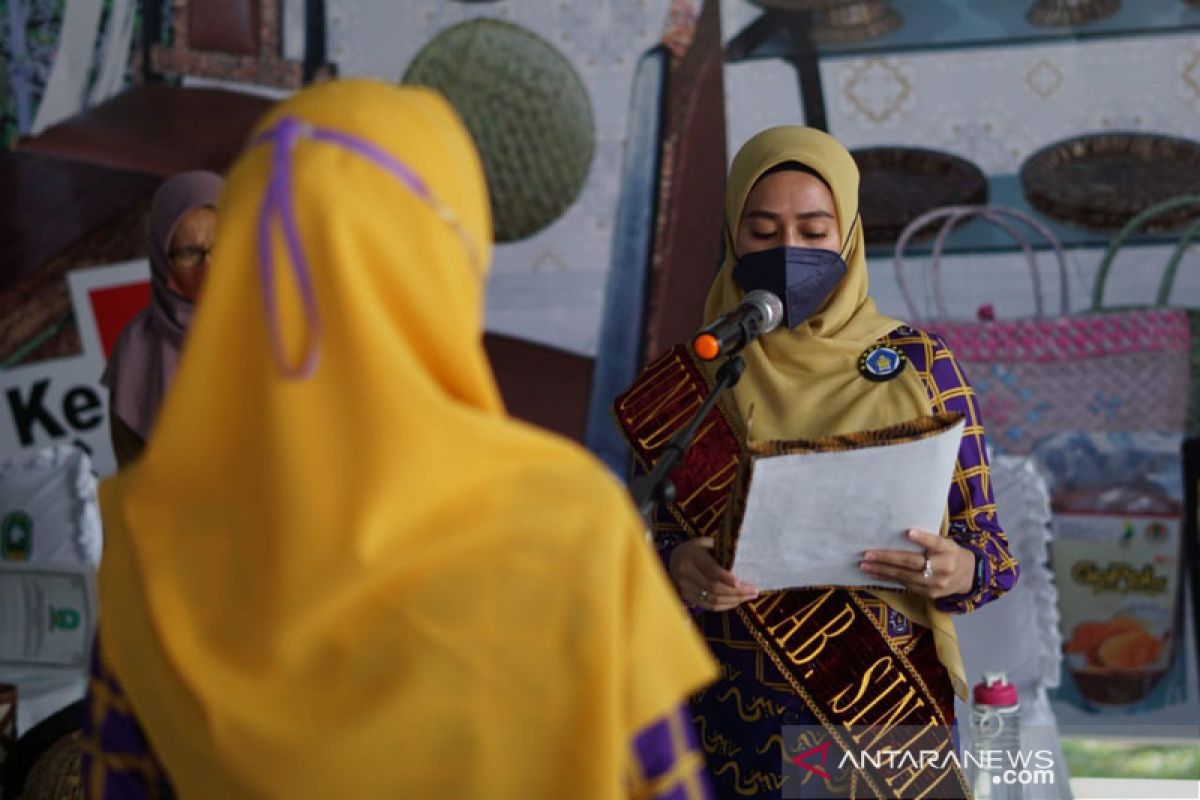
[655,486]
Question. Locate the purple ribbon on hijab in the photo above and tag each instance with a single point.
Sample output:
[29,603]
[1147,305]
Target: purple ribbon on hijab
[147,352]
[280,201]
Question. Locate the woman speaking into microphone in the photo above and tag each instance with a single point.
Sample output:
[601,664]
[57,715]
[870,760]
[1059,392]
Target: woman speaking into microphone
[827,658]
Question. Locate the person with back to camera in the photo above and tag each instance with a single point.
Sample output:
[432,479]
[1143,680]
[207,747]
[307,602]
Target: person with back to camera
[340,570]
[820,658]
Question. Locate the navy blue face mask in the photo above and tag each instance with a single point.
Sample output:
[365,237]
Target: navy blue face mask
[802,277]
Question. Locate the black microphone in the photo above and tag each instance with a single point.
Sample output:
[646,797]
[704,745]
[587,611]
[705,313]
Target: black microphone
[760,312]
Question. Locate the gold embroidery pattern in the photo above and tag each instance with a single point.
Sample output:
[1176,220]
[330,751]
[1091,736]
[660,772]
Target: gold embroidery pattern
[715,743]
[757,708]
[726,636]
[659,403]
[753,782]
[795,628]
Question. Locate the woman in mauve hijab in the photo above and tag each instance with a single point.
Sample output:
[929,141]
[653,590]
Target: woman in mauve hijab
[183,226]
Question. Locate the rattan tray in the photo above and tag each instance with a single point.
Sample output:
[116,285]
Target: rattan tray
[901,183]
[1060,13]
[796,5]
[842,21]
[1098,181]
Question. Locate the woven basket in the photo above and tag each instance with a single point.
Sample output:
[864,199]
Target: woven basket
[1166,284]
[1099,181]
[527,110]
[58,773]
[842,21]
[797,5]
[1058,13]
[900,184]
[1111,371]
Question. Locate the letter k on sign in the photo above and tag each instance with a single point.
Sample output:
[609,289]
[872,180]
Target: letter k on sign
[822,750]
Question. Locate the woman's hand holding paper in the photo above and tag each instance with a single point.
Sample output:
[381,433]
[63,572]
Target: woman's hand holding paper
[945,568]
[704,583]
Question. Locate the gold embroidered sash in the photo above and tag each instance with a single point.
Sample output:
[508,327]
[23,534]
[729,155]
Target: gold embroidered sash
[660,402]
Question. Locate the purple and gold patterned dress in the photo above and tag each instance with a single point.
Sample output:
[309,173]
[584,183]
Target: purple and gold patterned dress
[741,717]
[119,763]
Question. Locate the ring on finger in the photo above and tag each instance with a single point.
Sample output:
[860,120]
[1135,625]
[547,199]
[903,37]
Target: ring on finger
[704,595]
[927,571]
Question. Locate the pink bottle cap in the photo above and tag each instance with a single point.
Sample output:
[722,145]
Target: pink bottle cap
[995,690]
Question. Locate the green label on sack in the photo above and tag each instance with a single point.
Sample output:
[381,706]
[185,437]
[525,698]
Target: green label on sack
[66,619]
[16,536]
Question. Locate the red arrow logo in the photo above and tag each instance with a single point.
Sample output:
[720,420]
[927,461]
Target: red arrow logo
[816,769]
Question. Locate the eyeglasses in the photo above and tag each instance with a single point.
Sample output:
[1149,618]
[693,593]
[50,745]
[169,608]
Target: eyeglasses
[189,257]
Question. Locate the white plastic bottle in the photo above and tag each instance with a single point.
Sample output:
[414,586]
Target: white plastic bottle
[993,764]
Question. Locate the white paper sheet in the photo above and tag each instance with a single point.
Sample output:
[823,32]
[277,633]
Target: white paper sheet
[809,517]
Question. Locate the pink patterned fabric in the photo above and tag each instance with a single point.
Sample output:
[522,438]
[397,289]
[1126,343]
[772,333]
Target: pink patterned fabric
[1112,371]
[1068,338]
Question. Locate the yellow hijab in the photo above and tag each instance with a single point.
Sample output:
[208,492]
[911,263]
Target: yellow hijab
[369,582]
[804,383]
[821,355]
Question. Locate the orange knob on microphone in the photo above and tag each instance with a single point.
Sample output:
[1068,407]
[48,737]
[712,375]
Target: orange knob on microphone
[706,346]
